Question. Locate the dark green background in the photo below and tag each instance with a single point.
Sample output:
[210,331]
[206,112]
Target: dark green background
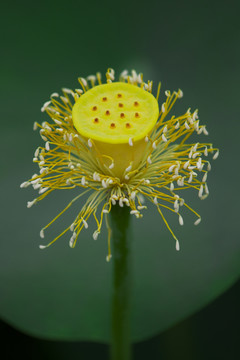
[192,45]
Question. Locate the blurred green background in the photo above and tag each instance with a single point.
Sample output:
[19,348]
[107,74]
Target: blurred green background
[65,294]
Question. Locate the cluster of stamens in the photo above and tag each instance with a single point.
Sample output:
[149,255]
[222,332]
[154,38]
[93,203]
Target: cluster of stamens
[67,161]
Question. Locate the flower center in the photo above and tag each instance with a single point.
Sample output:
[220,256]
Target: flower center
[115,112]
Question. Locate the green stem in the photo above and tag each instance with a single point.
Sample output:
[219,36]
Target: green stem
[120,225]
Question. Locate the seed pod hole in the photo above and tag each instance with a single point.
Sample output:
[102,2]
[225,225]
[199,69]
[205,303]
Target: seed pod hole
[113,125]
[107,112]
[94,108]
[104,98]
[122,115]
[128,125]
[96,120]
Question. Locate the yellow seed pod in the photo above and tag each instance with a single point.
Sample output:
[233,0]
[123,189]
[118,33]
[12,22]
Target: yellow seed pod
[117,117]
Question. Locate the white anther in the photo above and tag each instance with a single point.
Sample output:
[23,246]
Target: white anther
[83,181]
[190,178]
[36,152]
[204,177]
[149,159]
[133,195]
[195,115]
[67,91]
[95,176]
[200,191]
[44,170]
[113,201]
[146,181]
[181,202]
[108,258]
[79,91]
[72,227]
[200,131]
[134,212]
[186,164]
[141,207]
[209,166]
[85,223]
[165,129]
[91,78]
[195,155]
[186,125]
[25,184]
[42,233]
[35,181]
[196,125]
[139,78]
[190,154]
[163,108]
[35,126]
[42,190]
[199,163]
[194,148]
[154,145]
[89,143]
[171,186]
[45,105]
[177,125]
[55,94]
[180,219]
[31,203]
[83,81]
[206,151]
[167,93]
[206,189]
[129,168]
[130,141]
[164,138]
[180,181]
[124,73]
[104,184]
[58,122]
[146,138]
[95,234]
[42,247]
[115,197]
[215,156]
[105,211]
[197,221]
[205,130]
[37,186]
[190,119]
[111,166]
[171,167]
[180,93]
[121,202]
[47,146]
[126,201]
[177,245]
[176,205]
[155,200]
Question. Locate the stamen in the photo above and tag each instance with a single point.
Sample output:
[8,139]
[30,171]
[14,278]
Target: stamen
[197,221]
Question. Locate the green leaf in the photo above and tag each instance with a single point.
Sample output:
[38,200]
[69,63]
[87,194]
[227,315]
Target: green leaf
[63,293]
